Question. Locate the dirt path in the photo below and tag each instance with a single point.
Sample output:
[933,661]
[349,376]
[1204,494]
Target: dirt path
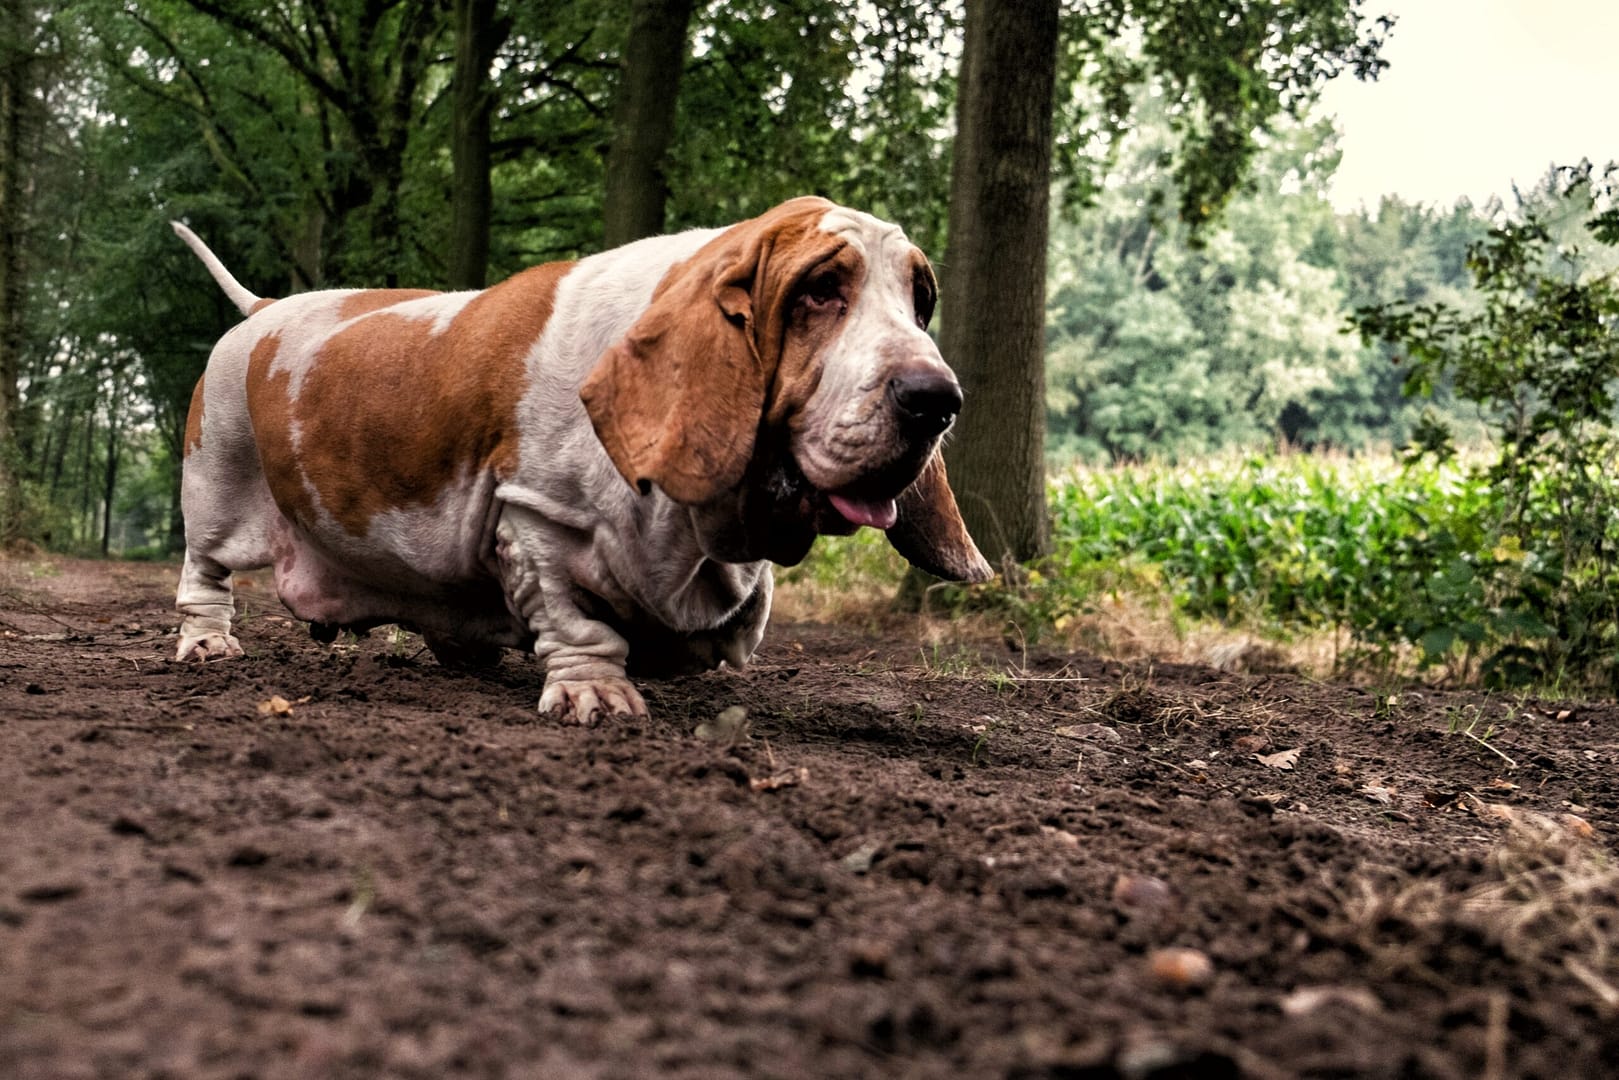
[899,869]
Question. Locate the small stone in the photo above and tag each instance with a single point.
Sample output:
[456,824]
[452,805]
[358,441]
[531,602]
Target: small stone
[1142,892]
[1180,968]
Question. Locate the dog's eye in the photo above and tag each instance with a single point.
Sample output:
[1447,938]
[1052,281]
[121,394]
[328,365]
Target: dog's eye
[823,290]
[923,298]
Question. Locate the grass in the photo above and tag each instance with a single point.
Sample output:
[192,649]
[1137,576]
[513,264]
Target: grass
[1548,904]
[1329,565]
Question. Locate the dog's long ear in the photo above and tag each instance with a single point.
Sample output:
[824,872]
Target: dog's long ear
[930,532]
[677,402]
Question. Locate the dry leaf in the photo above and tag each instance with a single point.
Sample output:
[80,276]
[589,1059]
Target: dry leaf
[1577,825]
[276,706]
[787,778]
[1282,759]
[1375,793]
[730,726]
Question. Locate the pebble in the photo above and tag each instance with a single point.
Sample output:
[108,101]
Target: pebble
[1180,968]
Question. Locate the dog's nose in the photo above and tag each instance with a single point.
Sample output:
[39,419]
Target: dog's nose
[927,401]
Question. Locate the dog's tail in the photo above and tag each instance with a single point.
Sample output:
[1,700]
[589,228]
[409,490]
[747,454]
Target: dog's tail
[239,295]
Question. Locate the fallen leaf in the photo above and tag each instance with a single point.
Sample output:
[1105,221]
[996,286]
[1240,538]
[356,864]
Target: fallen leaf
[276,706]
[1577,825]
[1250,744]
[730,726]
[1565,714]
[1282,759]
[787,778]
[1501,784]
[1375,793]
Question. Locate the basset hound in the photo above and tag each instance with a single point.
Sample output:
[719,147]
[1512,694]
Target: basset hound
[598,460]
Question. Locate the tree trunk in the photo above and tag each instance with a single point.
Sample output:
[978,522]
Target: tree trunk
[109,478]
[15,75]
[644,120]
[86,523]
[992,310]
[478,37]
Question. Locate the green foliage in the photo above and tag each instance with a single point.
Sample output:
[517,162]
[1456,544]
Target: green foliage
[1397,560]
[1388,556]
[1223,73]
[1162,343]
[1540,357]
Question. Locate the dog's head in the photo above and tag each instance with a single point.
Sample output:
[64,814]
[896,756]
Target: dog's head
[783,384]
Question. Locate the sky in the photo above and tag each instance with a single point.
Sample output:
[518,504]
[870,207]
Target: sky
[1478,94]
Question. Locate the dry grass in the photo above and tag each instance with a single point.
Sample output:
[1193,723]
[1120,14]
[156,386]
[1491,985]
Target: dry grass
[1549,904]
[1122,626]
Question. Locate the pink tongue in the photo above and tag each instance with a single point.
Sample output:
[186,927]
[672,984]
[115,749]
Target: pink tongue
[879,514]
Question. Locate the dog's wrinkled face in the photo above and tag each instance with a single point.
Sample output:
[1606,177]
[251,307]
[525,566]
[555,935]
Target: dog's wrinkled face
[883,395]
[782,383]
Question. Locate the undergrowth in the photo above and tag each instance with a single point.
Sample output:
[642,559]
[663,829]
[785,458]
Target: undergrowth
[1374,565]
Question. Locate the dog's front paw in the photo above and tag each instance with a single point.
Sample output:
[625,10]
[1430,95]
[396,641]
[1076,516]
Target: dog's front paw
[207,645]
[584,700]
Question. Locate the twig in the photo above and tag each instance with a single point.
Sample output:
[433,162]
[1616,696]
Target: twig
[1510,763]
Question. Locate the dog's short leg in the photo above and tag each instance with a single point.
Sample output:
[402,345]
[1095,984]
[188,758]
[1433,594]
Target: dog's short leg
[583,657]
[206,608]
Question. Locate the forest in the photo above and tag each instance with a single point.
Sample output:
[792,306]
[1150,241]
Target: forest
[1198,284]
[1139,261]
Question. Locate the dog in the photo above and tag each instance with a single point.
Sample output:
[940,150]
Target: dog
[596,460]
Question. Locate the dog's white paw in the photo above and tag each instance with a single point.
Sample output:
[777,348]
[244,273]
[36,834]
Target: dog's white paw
[585,700]
[210,645]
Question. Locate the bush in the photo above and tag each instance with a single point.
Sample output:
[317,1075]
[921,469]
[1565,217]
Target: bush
[1540,357]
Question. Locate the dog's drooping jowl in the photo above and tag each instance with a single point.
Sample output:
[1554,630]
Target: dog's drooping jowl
[597,460]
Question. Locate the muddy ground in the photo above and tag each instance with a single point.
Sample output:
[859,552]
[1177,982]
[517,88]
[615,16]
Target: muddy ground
[347,861]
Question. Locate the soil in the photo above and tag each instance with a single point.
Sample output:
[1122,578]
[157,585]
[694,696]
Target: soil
[941,861]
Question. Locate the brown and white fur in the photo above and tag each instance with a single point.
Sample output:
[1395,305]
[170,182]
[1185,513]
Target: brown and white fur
[597,460]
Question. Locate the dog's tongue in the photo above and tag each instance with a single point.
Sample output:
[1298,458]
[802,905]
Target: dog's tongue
[878,513]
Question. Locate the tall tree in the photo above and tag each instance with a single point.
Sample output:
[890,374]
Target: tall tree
[1225,69]
[478,37]
[644,120]
[17,63]
[363,63]
[993,291]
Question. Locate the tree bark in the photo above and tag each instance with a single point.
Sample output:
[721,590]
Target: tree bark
[16,62]
[644,120]
[992,308]
[109,475]
[478,37]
